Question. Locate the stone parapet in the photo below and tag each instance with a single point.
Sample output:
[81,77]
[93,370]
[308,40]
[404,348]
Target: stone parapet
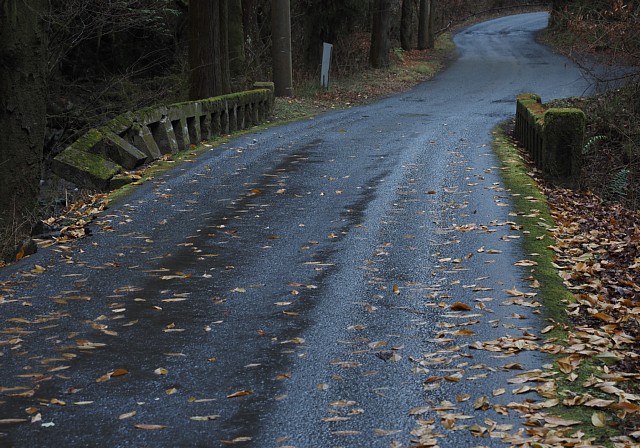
[554,138]
[135,138]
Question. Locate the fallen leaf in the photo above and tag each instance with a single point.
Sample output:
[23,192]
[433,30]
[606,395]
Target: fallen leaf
[598,419]
[149,427]
[240,393]
[459,306]
[553,421]
[204,418]
[127,415]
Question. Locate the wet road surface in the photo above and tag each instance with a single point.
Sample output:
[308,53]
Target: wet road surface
[318,284]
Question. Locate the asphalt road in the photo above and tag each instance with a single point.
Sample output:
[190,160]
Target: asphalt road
[297,286]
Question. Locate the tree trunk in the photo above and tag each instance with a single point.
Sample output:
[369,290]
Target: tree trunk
[380,39]
[250,22]
[425,25]
[236,38]
[406,25]
[23,62]
[208,49]
[281,36]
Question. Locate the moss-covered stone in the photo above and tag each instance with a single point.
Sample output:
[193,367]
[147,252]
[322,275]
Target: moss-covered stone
[553,138]
[85,169]
[563,139]
[122,152]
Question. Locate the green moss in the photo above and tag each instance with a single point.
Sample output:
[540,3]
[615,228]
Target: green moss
[88,141]
[95,164]
[535,218]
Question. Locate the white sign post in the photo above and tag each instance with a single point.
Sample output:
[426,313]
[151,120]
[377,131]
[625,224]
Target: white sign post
[327,49]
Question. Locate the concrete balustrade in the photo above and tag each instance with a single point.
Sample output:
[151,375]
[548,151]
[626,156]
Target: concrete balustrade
[135,138]
[553,137]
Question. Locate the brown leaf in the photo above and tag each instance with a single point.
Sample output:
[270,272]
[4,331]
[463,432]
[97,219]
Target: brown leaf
[240,393]
[459,306]
[12,421]
[553,420]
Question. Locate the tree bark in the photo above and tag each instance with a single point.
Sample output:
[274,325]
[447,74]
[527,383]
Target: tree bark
[281,36]
[250,22]
[22,111]
[380,39]
[208,49]
[425,25]
[406,25]
[236,38]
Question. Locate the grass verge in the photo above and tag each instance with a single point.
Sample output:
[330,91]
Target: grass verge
[534,216]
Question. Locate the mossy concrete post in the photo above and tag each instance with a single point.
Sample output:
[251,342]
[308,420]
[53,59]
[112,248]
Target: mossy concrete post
[522,114]
[84,168]
[143,140]
[270,100]
[563,139]
[123,152]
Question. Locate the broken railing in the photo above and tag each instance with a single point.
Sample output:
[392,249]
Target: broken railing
[135,138]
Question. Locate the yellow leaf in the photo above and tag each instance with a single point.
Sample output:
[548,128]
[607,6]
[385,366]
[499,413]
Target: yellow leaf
[204,418]
[149,427]
[481,403]
[553,420]
[419,410]
[396,290]
[236,440]
[127,415]
[598,419]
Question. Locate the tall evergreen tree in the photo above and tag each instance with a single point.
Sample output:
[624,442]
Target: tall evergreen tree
[208,49]
[380,38]
[425,25]
[406,25]
[22,111]
[281,38]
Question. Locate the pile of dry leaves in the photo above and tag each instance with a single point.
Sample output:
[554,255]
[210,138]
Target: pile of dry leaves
[598,254]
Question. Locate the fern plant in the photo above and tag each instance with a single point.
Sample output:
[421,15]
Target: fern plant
[592,141]
[617,187]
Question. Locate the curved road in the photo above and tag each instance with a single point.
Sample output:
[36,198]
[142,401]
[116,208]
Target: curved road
[302,286]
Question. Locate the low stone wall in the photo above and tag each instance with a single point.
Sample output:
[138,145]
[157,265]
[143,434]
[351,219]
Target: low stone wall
[135,138]
[553,137]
